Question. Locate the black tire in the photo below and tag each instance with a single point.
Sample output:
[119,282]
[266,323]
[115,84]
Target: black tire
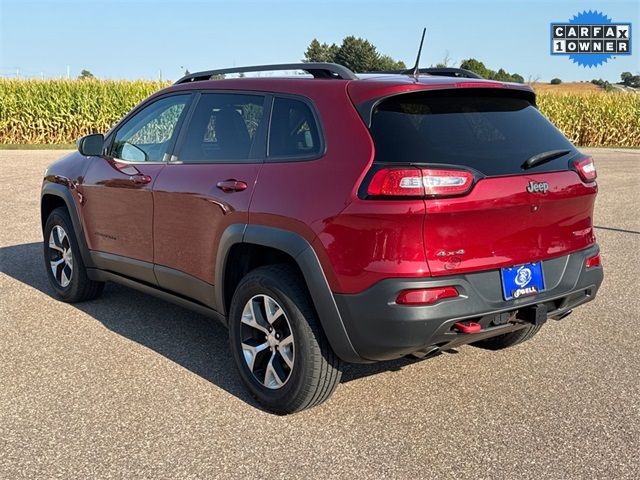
[507,340]
[80,287]
[316,369]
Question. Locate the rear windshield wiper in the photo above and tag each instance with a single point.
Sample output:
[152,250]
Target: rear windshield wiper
[543,157]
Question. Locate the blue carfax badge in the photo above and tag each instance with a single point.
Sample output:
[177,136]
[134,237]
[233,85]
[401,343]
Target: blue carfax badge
[590,38]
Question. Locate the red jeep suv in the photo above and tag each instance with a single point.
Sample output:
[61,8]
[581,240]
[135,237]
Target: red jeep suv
[331,217]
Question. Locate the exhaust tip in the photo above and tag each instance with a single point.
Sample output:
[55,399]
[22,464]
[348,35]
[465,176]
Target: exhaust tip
[562,315]
[426,352]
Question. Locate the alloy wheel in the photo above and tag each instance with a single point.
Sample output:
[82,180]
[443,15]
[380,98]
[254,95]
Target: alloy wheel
[60,256]
[267,341]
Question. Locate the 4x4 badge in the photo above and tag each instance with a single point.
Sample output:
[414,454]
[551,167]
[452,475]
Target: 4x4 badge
[538,187]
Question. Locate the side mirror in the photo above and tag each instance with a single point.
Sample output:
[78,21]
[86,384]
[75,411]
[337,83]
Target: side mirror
[91,145]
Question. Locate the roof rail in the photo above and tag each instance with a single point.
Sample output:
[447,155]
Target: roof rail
[438,71]
[318,70]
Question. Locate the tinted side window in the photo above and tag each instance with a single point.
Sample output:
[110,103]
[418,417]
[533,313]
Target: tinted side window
[294,132]
[145,136]
[223,128]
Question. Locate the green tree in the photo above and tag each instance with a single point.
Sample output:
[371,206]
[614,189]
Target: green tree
[603,84]
[320,52]
[386,64]
[501,75]
[355,53]
[476,66]
[555,81]
[630,80]
[86,75]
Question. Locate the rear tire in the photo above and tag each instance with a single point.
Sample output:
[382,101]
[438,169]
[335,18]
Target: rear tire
[507,340]
[279,348]
[63,261]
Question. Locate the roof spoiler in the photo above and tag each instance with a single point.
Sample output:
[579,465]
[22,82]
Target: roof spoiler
[437,71]
[366,108]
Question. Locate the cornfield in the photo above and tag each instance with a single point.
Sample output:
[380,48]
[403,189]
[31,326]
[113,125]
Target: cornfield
[60,111]
[595,119]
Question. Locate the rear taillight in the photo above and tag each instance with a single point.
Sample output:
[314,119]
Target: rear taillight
[586,169]
[426,296]
[594,261]
[418,182]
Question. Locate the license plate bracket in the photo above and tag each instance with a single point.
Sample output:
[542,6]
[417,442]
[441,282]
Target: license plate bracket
[522,280]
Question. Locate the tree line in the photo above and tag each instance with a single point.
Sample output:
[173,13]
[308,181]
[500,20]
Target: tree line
[360,55]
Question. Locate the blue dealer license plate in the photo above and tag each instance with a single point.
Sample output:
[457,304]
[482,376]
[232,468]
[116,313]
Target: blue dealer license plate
[522,280]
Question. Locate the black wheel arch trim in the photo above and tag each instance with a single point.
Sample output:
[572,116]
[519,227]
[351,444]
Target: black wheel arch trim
[305,257]
[64,193]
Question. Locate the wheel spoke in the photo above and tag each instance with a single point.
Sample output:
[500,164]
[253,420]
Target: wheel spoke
[250,353]
[63,236]
[271,377]
[53,246]
[288,341]
[285,349]
[54,267]
[64,279]
[287,356]
[59,236]
[249,317]
[272,310]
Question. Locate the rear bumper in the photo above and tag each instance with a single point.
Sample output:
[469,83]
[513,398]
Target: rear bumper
[380,329]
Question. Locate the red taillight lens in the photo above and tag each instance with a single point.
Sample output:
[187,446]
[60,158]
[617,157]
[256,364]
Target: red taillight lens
[594,261]
[405,182]
[426,296]
[412,182]
[586,169]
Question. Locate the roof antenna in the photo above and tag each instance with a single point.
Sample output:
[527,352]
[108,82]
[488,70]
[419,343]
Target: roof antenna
[416,68]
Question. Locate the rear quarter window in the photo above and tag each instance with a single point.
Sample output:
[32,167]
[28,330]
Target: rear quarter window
[294,132]
[489,132]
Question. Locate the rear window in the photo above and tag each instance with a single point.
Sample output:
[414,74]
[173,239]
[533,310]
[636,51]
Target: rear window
[223,129]
[490,132]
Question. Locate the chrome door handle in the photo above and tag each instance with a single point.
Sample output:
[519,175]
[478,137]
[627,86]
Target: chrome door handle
[140,179]
[231,185]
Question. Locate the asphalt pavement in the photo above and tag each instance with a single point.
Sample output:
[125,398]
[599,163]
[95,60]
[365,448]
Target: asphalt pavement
[128,386]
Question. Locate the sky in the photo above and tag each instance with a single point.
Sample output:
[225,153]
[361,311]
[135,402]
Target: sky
[149,38]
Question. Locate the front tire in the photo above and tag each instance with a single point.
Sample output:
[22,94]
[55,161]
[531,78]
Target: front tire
[63,261]
[281,353]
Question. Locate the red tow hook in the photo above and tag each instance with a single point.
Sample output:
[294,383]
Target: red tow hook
[471,327]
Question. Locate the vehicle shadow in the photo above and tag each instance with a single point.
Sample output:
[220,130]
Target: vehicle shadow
[191,340]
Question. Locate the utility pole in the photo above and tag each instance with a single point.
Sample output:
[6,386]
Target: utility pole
[17,72]
[160,75]
[68,72]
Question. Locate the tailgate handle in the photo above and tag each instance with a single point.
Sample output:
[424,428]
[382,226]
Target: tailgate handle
[232,185]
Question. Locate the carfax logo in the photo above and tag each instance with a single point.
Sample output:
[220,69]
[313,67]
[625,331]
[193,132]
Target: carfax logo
[590,39]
